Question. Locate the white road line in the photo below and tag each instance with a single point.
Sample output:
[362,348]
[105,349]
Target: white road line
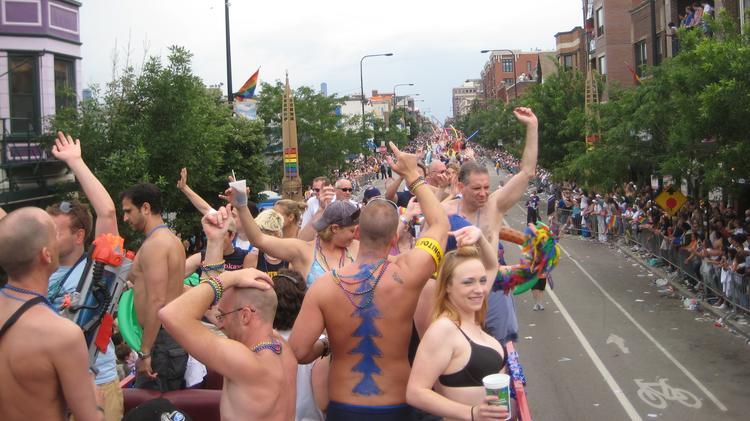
[661,348]
[626,404]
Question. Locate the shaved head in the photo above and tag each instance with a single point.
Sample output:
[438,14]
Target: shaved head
[378,222]
[24,234]
[264,302]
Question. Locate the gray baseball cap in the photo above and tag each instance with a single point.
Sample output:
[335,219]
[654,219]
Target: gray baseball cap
[341,213]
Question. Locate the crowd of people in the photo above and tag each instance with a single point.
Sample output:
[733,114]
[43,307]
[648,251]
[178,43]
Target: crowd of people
[329,309]
[705,242]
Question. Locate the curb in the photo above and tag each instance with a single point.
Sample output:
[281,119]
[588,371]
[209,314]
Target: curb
[743,330]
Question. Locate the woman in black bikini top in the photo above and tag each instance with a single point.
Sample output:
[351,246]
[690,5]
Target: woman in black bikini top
[455,353]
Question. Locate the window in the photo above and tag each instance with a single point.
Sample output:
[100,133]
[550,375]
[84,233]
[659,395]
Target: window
[641,57]
[508,81]
[528,67]
[24,90]
[65,87]
[602,65]
[568,61]
[659,49]
[599,21]
[507,65]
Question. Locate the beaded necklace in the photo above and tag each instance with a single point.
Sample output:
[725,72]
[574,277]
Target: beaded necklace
[274,345]
[366,291]
[342,261]
[26,291]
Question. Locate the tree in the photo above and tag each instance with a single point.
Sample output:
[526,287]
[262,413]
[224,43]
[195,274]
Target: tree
[146,126]
[325,137]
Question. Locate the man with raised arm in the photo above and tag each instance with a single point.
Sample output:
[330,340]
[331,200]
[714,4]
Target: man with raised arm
[485,209]
[44,363]
[157,274]
[73,220]
[367,307]
[258,367]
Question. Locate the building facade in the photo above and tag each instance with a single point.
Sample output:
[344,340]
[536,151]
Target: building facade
[40,72]
[570,49]
[466,96]
[610,49]
[503,70]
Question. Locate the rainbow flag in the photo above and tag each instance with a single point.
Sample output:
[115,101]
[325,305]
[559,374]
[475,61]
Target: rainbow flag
[247,90]
[612,222]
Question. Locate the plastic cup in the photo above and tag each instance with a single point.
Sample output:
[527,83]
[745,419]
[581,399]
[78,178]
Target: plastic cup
[498,385]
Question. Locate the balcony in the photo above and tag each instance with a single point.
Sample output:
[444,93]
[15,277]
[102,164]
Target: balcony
[28,170]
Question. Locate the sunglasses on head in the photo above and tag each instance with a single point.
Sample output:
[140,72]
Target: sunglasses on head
[65,207]
[382,199]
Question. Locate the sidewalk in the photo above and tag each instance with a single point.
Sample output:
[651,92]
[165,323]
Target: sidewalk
[722,318]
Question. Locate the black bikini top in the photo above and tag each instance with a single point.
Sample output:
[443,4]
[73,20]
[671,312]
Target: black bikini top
[483,361]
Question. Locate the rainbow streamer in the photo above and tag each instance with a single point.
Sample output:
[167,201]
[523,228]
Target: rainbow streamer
[540,254]
[247,90]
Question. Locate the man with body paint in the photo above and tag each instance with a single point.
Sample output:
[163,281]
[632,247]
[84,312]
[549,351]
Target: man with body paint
[368,305]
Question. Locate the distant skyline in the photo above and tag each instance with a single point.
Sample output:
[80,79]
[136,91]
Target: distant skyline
[436,48]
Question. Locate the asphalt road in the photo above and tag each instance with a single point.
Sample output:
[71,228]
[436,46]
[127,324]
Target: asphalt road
[608,346]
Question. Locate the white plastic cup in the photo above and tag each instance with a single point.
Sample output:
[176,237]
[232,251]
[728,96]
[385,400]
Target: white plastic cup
[498,385]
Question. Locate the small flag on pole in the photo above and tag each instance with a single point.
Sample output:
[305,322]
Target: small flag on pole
[247,90]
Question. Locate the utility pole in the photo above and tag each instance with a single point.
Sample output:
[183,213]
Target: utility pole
[230,94]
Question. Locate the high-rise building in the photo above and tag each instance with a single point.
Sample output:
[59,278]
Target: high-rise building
[324,89]
[40,73]
[466,96]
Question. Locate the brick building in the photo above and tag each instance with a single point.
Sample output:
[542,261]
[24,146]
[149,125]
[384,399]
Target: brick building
[503,70]
[570,49]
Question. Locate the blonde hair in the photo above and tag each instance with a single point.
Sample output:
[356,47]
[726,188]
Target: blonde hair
[271,221]
[291,207]
[326,234]
[443,306]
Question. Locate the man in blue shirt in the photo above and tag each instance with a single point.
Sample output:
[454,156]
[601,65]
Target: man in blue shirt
[74,225]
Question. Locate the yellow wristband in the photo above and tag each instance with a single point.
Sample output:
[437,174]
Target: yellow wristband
[432,247]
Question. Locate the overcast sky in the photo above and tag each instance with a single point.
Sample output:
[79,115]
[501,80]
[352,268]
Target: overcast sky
[436,45]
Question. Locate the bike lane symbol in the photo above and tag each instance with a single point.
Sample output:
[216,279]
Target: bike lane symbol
[659,393]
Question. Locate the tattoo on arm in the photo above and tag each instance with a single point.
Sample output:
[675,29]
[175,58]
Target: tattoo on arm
[398,279]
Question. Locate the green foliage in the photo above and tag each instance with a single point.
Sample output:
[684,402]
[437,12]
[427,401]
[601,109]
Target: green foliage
[324,138]
[146,126]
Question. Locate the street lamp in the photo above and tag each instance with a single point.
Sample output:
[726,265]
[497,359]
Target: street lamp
[362,83]
[394,92]
[406,104]
[515,79]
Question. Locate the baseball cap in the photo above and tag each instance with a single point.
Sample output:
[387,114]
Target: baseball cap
[371,192]
[341,213]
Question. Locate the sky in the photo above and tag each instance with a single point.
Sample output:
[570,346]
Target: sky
[436,45]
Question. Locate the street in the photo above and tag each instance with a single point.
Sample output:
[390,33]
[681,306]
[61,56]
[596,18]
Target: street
[607,346]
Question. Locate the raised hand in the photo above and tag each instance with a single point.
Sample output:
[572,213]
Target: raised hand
[525,116]
[327,195]
[467,236]
[182,182]
[250,278]
[405,163]
[66,149]
[214,223]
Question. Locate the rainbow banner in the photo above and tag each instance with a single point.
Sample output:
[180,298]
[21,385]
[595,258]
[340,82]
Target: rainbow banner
[247,90]
[290,162]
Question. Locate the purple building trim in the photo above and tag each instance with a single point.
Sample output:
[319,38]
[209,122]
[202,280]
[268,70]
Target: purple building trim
[59,19]
[21,12]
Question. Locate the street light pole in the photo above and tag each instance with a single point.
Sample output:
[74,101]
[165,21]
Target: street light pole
[395,98]
[362,83]
[230,94]
[513,55]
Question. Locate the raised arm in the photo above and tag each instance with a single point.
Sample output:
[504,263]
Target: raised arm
[392,189]
[182,317]
[307,233]
[290,249]
[197,201]
[69,151]
[472,235]
[417,262]
[517,185]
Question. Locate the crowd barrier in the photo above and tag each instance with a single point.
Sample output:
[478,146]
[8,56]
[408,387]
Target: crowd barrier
[705,278]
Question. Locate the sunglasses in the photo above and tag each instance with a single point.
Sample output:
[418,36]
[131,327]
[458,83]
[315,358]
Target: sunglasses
[316,190]
[346,189]
[65,207]
[221,315]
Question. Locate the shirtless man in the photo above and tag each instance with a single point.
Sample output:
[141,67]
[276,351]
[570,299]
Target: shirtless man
[367,307]
[487,211]
[44,362]
[157,274]
[258,367]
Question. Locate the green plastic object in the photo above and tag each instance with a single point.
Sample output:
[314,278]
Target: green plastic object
[127,320]
[192,280]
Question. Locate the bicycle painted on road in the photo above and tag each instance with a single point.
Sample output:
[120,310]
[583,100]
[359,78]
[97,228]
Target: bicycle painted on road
[659,393]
